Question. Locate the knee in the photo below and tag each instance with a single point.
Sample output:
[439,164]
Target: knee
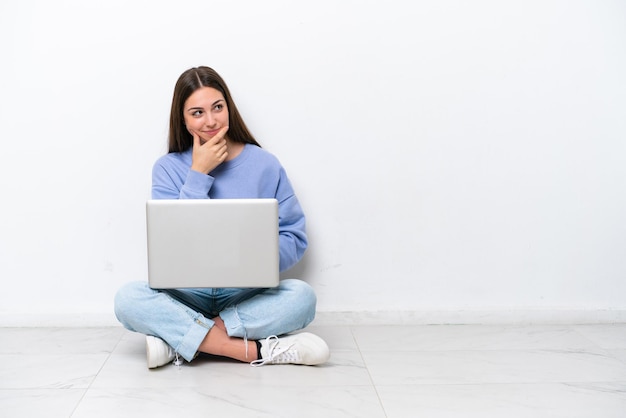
[300,289]
[303,298]
[126,299]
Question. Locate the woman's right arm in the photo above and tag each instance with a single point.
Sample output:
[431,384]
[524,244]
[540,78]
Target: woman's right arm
[171,182]
[173,179]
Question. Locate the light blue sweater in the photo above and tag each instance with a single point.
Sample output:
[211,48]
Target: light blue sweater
[255,173]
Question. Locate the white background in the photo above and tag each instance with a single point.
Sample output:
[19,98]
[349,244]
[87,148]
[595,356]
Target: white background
[451,156]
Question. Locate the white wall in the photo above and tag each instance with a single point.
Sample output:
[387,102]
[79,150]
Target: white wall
[451,156]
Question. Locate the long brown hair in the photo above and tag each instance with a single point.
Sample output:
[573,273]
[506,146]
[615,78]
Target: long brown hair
[191,80]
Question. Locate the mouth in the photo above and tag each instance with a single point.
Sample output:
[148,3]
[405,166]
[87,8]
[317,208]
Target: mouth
[211,133]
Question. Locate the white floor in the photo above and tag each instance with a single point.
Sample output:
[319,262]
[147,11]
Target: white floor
[375,371]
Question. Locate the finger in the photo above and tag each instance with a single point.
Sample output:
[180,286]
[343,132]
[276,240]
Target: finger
[222,133]
[219,137]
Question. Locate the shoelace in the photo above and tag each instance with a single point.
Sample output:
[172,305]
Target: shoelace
[276,354]
[177,362]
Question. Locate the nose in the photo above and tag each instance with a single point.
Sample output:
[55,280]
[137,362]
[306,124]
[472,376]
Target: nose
[209,120]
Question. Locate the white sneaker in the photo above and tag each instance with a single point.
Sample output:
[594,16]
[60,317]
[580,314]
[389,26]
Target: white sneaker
[304,348]
[158,352]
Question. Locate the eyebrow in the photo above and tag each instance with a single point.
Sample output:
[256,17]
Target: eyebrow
[201,108]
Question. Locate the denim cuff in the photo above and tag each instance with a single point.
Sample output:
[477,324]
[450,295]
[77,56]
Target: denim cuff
[234,326]
[194,337]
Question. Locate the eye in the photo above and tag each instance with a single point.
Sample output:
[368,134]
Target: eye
[196,113]
[218,107]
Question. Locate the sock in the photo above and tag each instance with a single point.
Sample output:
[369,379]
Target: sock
[258,349]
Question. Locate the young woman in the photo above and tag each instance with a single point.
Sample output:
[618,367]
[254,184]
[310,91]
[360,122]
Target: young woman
[212,155]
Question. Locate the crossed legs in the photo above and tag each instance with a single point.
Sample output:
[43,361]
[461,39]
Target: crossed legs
[239,318]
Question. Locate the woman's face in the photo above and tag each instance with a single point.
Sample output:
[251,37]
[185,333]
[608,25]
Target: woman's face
[205,113]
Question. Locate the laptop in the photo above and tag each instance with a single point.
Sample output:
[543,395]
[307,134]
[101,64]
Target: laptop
[209,243]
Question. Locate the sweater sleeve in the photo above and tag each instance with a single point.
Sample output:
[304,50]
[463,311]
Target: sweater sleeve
[195,185]
[291,225]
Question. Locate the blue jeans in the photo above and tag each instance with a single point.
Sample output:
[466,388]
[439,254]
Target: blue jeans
[182,317]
